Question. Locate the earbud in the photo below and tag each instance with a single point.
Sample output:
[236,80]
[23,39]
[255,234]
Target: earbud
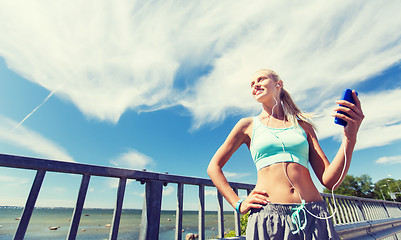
[278,85]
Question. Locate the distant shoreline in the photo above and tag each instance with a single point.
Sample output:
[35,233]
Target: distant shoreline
[54,222]
[112,209]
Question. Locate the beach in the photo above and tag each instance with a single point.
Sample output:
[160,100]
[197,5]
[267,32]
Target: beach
[95,223]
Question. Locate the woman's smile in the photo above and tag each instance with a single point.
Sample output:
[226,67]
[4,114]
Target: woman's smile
[257,91]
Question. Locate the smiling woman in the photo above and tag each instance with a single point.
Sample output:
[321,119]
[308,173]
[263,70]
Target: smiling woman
[285,203]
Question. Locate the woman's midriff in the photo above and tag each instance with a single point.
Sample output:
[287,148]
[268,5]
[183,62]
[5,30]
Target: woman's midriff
[273,180]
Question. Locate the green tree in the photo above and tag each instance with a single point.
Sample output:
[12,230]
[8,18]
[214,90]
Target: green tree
[355,186]
[384,187]
[244,222]
[366,187]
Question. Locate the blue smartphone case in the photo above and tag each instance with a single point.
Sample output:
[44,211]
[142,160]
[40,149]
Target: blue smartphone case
[347,95]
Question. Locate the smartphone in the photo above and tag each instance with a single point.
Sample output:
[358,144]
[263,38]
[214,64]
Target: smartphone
[347,95]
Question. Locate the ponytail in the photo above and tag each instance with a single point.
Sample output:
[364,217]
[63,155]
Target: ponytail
[291,110]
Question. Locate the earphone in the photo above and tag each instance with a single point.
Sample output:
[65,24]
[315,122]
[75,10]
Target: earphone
[285,172]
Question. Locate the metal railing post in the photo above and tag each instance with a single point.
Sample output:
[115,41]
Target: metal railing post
[220,215]
[118,209]
[201,217]
[151,210]
[179,210]
[29,205]
[237,219]
[76,216]
[361,213]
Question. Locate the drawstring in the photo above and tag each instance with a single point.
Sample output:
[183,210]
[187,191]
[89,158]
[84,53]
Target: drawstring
[296,219]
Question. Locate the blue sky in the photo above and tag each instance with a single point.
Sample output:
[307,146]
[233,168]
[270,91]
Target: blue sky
[159,85]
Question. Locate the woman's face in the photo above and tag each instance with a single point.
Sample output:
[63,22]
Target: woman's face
[263,84]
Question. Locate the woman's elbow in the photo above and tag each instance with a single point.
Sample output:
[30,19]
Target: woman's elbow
[331,185]
[209,170]
[212,169]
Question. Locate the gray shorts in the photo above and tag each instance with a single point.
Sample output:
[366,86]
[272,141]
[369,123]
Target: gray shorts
[274,221]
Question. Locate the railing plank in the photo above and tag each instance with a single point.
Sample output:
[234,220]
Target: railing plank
[333,210]
[94,170]
[340,206]
[352,211]
[248,191]
[179,210]
[76,216]
[375,213]
[347,212]
[361,213]
[220,215]
[118,209]
[201,220]
[29,205]
[368,210]
[356,210]
[237,219]
[386,210]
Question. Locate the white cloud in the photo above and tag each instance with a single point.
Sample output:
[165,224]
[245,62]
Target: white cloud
[109,58]
[9,180]
[319,60]
[389,160]
[32,141]
[59,190]
[233,176]
[382,122]
[211,192]
[112,182]
[168,190]
[132,159]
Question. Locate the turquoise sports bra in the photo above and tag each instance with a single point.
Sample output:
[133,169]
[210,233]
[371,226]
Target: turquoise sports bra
[266,145]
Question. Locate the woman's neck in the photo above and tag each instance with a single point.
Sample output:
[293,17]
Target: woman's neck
[273,110]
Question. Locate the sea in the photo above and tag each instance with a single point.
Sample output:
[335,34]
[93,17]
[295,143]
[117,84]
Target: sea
[95,223]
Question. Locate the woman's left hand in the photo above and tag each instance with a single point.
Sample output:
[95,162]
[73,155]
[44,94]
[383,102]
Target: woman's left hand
[354,118]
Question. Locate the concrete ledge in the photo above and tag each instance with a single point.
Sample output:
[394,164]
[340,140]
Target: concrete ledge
[375,229]
[369,229]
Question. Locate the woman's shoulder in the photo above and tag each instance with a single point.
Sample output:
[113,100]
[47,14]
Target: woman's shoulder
[245,122]
[243,130]
[308,127]
[244,125]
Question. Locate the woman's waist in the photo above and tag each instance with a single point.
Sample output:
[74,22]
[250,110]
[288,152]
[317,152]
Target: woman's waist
[280,190]
[317,207]
[293,197]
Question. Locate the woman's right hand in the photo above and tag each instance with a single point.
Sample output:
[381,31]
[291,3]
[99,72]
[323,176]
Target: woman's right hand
[256,199]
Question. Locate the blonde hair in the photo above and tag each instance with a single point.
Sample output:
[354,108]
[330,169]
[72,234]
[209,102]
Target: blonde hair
[291,110]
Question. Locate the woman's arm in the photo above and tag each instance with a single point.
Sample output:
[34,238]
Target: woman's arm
[329,173]
[240,134]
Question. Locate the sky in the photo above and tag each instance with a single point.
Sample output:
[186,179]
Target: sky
[158,85]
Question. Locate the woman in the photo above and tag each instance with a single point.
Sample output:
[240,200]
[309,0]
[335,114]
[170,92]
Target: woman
[285,203]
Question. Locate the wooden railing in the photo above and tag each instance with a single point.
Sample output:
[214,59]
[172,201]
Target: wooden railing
[354,217]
